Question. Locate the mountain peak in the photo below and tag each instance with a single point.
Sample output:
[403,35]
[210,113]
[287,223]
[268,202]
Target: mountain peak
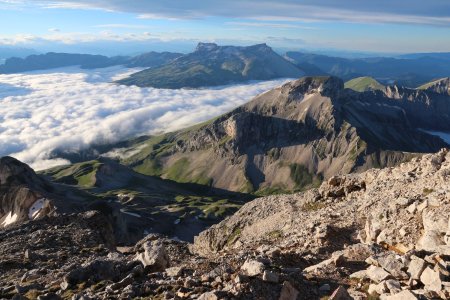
[441,86]
[326,85]
[11,170]
[206,47]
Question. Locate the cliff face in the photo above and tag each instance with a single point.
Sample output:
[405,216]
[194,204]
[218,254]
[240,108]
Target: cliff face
[23,193]
[293,136]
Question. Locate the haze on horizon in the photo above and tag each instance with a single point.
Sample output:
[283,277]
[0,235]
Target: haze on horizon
[127,27]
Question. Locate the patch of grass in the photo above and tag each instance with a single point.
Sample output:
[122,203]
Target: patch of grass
[300,175]
[313,206]
[276,234]
[427,191]
[362,84]
[178,169]
[33,294]
[233,236]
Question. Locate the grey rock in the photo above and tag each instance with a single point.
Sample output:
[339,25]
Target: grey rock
[154,256]
[416,267]
[270,276]
[393,286]
[340,294]
[393,266]
[252,267]
[431,279]
[377,274]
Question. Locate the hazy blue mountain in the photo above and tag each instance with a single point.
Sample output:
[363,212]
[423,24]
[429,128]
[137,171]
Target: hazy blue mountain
[85,61]
[212,65]
[411,72]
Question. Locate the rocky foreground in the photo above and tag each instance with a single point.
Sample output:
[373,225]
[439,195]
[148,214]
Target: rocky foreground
[382,234]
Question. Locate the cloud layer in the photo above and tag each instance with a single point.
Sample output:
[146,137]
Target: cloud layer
[70,109]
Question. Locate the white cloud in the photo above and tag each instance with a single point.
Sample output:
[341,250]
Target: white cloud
[124,26]
[75,38]
[70,109]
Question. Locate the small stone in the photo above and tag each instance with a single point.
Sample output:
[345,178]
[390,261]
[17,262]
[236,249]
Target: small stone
[288,292]
[174,271]
[402,231]
[412,208]
[239,278]
[403,202]
[377,274]
[340,294]
[208,296]
[29,255]
[379,288]
[270,276]
[416,267]
[372,261]
[253,267]
[430,241]
[392,265]
[431,280]
[422,206]
[359,274]
[393,286]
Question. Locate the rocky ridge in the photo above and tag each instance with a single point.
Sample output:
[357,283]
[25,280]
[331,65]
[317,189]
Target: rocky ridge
[382,232]
[294,136]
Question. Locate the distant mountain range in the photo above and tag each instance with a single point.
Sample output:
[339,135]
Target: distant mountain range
[212,65]
[85,61]
[409,70]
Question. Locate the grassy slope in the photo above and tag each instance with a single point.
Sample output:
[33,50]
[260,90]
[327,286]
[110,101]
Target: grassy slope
[362,84]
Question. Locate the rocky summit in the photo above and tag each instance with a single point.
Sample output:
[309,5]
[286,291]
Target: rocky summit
[295,136]
[380,234]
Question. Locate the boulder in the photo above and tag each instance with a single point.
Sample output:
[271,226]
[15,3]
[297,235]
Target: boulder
[154,256]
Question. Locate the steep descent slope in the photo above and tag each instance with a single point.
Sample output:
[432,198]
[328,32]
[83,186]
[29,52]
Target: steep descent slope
[293,136]
[212,65]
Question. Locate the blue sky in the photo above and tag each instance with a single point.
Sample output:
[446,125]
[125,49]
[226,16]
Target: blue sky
[133,26]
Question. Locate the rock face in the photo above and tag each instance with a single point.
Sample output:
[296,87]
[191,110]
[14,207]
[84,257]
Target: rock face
[293,137]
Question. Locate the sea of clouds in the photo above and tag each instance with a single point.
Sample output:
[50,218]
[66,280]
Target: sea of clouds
[70,109]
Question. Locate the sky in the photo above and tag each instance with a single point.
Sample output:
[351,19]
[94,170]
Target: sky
[133,26]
